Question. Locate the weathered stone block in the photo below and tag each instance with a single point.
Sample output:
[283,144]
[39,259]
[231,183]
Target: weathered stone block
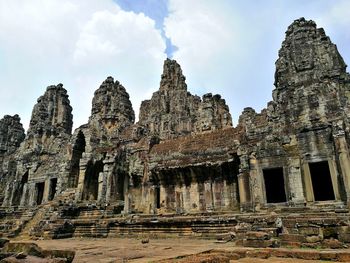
[293,244]
[343,256]
[307,255]
[313,239]
[259,243]
[257,235]
[309,231]
[332,243]
[344,237]
[292,237]
[258,254]
[328,255]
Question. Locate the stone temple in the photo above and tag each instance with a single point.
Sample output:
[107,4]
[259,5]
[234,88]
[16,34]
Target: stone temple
[183,169]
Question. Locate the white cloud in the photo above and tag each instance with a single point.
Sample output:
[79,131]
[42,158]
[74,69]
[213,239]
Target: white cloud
[213,43]
[78,43]
[230,47]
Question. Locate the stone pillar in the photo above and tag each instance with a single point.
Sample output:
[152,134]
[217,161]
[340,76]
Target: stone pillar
[101,195]
[46,190]
[109,185]
[33,193]
[208,196]
[244,190]
[127,196]
[295,183]
[187,199]
[149,193]
[8,194]
[108,167]
[25,196]
[82,169]
[308,189]
[344,161]
[146,195]
[15,190]
[334,176]
[256,183]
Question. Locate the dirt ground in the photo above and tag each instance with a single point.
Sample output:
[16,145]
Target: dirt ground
[132,250]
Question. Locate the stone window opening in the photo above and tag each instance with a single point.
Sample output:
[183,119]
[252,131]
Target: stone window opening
[321,181]
[274,185]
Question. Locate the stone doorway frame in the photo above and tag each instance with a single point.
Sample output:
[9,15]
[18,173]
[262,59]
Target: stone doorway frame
[308,188]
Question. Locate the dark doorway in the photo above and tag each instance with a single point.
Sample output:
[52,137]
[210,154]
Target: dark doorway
[78,149]
[40,192]
[91,180]
[274,185]
[24,179]
[158,196]
[321,181]
[53,185]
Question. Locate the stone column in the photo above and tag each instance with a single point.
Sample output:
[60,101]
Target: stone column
[82,169]
[8,194]
[309,191]
[344,161]
[255,183]
[127,196]
[33,194]
[101,195]
[15,190]
[244,190]
[150,192]
[295,183]
[334,177]
[108,167]
[46,190]
[243,180]
[25,196]
[187,199]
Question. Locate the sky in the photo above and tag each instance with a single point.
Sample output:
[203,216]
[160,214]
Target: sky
[226,47]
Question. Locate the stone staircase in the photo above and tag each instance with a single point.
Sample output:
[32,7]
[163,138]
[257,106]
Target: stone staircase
[45,215]
[319,226]
[13,221]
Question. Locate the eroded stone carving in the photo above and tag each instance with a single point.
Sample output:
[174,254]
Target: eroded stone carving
[11,134]
[52,114]
[173,111]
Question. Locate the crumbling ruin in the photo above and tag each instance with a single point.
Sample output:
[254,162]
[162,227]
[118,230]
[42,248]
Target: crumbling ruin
[183,157]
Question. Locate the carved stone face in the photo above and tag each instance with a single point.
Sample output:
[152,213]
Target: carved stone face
[303,55]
